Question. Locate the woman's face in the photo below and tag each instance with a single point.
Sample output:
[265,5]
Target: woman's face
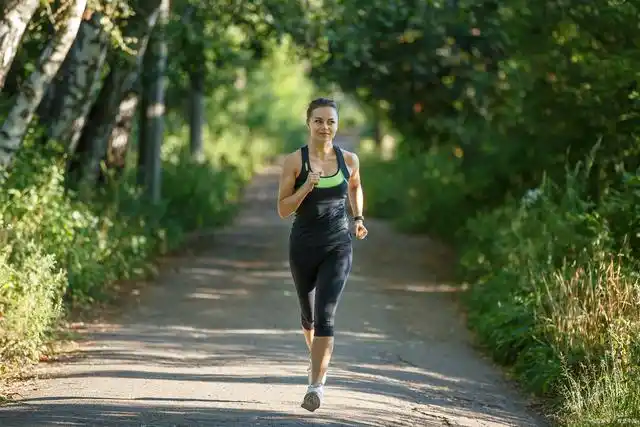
[323,124]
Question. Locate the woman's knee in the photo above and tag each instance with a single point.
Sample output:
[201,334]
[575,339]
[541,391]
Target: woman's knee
[323,330]
[307,323]
[324,322]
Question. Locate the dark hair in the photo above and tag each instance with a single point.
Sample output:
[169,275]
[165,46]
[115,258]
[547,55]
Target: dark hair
[321,102]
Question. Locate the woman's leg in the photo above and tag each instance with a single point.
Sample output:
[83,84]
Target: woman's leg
[303,271]
[333,273]
[308,337]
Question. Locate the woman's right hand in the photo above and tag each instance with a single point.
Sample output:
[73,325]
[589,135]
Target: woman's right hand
[312,180]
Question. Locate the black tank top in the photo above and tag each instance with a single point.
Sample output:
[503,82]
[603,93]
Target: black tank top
[321,219]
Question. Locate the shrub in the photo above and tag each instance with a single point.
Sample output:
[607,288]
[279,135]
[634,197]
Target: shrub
[415,190]
[555,296]
[30,303]
[61,249]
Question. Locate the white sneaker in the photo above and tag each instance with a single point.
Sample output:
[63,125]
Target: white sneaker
[324,377]
[313,398]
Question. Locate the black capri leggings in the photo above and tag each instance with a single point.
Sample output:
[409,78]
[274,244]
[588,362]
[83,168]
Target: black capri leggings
[320,275]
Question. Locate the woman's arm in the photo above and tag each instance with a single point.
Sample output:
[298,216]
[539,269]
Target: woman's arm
[288,200]
[356,195]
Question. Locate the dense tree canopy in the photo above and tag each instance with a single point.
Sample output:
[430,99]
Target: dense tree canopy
[514,86]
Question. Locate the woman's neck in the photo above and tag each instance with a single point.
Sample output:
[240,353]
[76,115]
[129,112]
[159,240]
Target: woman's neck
[321,149]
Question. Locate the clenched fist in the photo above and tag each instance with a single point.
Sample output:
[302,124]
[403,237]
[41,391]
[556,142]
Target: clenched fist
[312,180]
[360,230]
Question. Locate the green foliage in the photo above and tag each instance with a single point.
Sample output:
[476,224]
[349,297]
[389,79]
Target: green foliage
[88,240]
[90,244]
[282,92]
[61,250]
[202,195]
[473,78]
[608,394]
[552,298]
[554,282]
[381,199]
[211,41]
[623,209]
[30,302]
[414,190]
[497,104]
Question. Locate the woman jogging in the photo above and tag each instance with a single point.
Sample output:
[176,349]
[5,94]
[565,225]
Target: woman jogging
[315,183]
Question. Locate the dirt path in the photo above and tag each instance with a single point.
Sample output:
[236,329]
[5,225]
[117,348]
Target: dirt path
[216,342]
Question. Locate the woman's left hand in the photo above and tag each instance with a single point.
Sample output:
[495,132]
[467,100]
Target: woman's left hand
[361,230]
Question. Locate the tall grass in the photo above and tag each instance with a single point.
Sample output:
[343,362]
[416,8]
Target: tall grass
[596,310]
[554,279]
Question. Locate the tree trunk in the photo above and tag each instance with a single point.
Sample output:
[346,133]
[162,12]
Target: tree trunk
[92,146]
[143,140]
[17,123]
[78,83]
[196,114]
[377,126]
[118,147]
[16,15]
[153,91]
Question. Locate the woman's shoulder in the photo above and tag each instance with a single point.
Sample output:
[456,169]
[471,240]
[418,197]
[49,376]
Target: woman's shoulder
[350,158]
[295,154]
[293,159]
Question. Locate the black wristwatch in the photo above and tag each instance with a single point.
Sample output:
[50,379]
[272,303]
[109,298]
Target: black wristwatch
[358,218]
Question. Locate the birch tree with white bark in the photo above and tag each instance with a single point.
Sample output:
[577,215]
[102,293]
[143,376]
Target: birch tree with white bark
[153,92]
[21,114]
[16,15]
[78,83]
[124,71]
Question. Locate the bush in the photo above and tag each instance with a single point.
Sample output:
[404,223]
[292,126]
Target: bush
[415,190]
[59,245]
[556,295]
[62,250]
[30,303]
[555,288]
